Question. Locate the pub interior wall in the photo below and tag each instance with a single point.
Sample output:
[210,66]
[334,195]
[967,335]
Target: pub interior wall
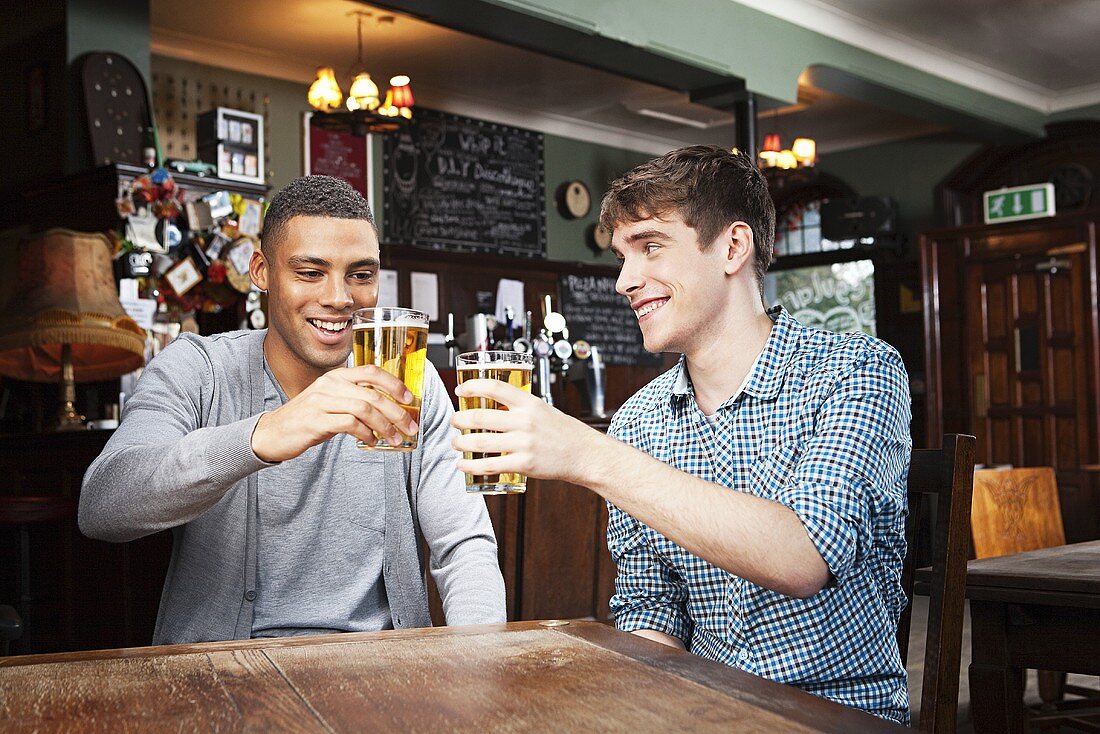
[908,171]
[565,158]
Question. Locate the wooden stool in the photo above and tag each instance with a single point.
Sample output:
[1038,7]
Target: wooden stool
[21,513]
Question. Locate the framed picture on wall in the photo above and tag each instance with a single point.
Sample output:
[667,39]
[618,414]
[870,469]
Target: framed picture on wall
[340,154]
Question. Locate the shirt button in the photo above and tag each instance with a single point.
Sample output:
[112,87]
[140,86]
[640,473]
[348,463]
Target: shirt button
[743,655]
[250,595]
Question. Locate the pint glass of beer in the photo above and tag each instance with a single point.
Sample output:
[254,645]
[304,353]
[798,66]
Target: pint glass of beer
[513,368]
[395,339]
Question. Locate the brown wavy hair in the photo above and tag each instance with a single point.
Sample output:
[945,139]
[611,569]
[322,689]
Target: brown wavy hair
[710,188]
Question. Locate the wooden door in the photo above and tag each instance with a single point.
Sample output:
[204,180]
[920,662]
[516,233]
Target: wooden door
[1028,346]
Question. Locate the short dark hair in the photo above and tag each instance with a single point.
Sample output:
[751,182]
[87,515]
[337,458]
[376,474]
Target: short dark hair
[312,196]
[710,187]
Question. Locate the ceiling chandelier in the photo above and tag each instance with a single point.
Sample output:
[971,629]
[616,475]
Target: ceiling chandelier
[366,111]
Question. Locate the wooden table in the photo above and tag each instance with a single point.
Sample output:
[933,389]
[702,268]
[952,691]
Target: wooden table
[1039,609]
[519,677]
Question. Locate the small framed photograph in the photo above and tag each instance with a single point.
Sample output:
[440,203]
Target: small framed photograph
[249,223]
[198,215]
[141,230]
[234,131]
[250,165]
[237,165]
[220,206]
[183,276]
[246,133]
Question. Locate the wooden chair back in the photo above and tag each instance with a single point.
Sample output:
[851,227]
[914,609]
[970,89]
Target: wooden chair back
[947,474]
[1015,510]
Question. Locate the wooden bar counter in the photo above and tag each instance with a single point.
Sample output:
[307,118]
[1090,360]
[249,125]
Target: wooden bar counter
[517,677]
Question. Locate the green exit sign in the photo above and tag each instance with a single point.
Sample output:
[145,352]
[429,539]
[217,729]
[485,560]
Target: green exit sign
[1019,202]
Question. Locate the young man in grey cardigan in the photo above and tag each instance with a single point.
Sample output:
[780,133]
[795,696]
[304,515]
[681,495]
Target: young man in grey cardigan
[243,444]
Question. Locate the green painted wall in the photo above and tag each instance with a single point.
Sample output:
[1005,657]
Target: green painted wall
[767,52]
[908,171]
[1091,112]
[597,166]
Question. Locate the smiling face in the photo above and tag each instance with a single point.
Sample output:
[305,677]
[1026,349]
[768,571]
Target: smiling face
[319,272]
[678,290]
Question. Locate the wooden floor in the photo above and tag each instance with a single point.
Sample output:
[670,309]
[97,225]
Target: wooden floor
[916,668]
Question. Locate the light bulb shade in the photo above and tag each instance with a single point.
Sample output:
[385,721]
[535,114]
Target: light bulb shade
[324,94]
[388,109]
[805,150]
[364,91]
[771,143]
[58,288]
[786,159]
[402,94]
[770,158]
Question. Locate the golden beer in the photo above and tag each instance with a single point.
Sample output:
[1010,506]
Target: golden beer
[510,367]
[397,341]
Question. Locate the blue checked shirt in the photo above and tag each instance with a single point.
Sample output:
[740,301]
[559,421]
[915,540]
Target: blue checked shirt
[821,426]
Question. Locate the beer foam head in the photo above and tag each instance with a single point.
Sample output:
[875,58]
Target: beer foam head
[404,321]
[497,365]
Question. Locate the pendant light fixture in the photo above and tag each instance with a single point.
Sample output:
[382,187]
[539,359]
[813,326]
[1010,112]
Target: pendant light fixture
[802,153]
[365,112]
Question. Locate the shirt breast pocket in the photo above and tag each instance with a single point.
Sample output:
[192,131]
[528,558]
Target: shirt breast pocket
[361,482]
[769,474]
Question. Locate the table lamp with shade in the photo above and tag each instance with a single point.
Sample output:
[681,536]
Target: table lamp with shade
[60,317]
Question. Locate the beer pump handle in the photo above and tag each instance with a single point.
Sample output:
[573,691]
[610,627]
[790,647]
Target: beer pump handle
[509,325]
[597,383]
[449,340]
[542,375]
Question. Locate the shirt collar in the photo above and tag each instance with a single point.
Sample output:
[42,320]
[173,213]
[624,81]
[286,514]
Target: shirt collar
[766,376]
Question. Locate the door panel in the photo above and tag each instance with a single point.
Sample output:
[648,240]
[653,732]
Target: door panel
[1028,341]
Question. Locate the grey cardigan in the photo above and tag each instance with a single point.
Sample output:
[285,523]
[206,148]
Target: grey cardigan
[182,459]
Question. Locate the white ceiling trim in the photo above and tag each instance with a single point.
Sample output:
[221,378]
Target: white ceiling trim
[267,63]
[1071,99]
[853,30]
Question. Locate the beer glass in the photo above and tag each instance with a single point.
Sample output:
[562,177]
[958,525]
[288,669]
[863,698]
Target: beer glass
[513,368]
[395,339]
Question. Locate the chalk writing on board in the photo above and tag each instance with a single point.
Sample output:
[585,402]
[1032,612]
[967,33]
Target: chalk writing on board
[456,183]
[596,313]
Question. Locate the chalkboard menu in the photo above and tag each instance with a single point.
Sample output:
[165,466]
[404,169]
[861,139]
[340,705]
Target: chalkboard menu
[599,315]
[455,183]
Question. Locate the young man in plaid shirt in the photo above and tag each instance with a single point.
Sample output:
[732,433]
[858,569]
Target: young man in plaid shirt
[757,489]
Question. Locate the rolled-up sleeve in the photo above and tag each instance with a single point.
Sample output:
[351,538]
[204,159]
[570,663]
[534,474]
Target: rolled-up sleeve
[649,594]
[854,467]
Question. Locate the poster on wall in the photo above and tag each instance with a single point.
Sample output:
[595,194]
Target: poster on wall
[466,185]
[839,297]
[339,154]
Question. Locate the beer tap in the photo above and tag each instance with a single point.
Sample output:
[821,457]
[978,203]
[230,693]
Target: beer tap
[450,341]
[597,382]
[523,344]
[542,349]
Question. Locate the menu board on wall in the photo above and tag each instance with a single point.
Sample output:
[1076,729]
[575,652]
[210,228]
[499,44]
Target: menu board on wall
[456,183]
[600,316]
